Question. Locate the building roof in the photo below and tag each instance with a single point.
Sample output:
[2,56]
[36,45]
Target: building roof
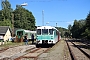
[3,29]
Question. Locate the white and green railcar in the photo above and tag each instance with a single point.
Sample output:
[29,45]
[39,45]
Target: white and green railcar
[22,32]
[47,35]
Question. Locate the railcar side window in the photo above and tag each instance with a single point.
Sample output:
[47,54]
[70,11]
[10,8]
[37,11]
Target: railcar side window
[44,31]
[38,31]
[50,31]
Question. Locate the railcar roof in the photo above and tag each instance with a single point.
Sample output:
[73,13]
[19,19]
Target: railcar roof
[33,31]
[46,27]
[27,30]
[30,31]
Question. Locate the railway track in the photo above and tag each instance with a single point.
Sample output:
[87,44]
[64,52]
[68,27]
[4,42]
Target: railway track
[76,52]
[33,54]
[5,48]
[15,52]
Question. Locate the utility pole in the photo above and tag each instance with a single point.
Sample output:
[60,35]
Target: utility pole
[12,25]
[42,17]
[56,24]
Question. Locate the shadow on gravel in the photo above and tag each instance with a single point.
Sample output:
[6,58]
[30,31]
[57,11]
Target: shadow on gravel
[83,46]
[85,42]
[42,45]
[45,45]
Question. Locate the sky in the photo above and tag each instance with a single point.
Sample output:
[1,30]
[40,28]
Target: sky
[62,12]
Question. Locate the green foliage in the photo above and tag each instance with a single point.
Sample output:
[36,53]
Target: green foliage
[5,23]
[62,30]
[78,28]
[81,28]
[88,21]
[67,34]
[23,18]
[69,30]
[87,26]
[6,9]
[5,13]
[1,17]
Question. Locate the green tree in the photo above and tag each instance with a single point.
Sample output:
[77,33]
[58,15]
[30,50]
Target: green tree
[1,17]
[87,30]
[69,30]
[78,28]
[23,18]
[5,23]
[6,9]
[67,35]
[5,13]
[62,30]
[88,21]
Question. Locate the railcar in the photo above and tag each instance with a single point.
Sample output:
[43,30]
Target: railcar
[47,35]
[22,32]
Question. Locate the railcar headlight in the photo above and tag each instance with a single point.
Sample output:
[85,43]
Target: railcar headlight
[51,37]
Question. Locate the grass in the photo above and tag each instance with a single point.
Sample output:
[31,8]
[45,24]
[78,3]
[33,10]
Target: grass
[12,44]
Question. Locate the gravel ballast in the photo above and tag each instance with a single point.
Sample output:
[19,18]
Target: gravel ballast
[57,52]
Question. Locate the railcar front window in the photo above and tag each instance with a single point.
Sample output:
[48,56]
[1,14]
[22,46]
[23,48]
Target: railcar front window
[44,31]
[50,31]
[20,33]
[38,31]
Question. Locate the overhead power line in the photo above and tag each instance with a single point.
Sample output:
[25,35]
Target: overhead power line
[40,0]
[57,21]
